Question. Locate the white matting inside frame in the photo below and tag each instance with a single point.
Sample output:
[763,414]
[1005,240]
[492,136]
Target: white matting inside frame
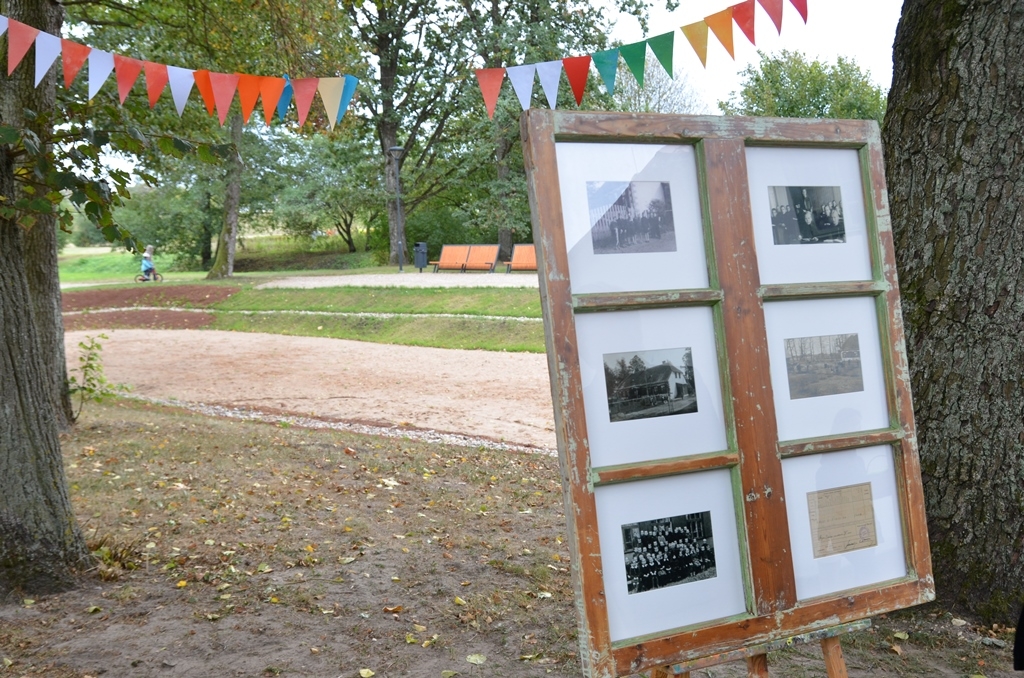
[634,419]
[861,567]
[835,175]
[818,349]
[618,234]
[712,588]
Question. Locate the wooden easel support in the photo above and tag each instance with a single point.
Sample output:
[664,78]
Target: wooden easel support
[756,656]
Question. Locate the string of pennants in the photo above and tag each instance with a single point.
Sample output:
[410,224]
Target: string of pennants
[216,89]
[577,68]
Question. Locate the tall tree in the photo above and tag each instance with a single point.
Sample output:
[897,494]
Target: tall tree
[787,85]
[954,140]
[40,543]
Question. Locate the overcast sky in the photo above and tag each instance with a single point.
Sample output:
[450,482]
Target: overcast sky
[861,29]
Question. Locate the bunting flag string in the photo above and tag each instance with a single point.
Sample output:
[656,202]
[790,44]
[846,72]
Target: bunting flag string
[634,55]
[217,90]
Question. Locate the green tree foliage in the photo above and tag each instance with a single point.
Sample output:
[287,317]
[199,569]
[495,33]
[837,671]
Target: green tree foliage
[788,85]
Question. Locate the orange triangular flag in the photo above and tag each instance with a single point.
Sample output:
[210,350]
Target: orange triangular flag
[743,15]
[20,38]
[774,9]
[305,89]
[248,93]
[73,56]
[271,89]
[490,80]
[576,70]
[127,71]
[205,89]
[720,24]
[156,80]
[697,34]
[801,6]
[224,86]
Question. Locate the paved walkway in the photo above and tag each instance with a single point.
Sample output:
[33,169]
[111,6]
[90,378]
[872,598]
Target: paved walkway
[412,278]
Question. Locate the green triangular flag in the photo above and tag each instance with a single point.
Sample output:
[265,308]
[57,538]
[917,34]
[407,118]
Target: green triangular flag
[635,56]
[607,63]
[661,45]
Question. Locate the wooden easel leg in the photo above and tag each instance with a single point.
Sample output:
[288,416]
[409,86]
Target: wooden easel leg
[663,673]
[757,666]
[835,665]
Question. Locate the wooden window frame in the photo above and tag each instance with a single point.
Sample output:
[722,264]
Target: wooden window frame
[755,454]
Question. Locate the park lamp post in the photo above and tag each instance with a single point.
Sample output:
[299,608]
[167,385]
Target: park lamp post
[396,154]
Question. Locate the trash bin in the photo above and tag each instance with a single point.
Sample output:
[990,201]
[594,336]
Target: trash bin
[419,255]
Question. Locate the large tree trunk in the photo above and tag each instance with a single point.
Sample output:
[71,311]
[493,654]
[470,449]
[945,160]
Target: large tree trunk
[954,141]
[40,543]
[224,264]
[19,93]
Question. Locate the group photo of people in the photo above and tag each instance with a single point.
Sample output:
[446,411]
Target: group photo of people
[806,214]
[631,216]
[668,551]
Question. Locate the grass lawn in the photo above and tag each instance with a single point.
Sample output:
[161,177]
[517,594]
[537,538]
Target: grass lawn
[226,547]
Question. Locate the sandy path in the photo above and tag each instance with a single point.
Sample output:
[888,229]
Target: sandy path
[505,396]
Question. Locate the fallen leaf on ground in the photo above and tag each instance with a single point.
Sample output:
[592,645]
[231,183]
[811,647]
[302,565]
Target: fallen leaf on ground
[365,673]
[897,649]
[958,622]
[419,628]
[459,601]
[449,674]
[396,608]
[900,635]
[93,609]
[477,659]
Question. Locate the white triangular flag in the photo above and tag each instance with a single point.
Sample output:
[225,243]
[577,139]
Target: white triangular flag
[181,81]
[3,24]
[550,75]
[101,65]
[330,94]
[47,51]
[521,78]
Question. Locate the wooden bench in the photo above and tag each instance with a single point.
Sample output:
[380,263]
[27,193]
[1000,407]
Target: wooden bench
[524,258]
[482,258]
[453,258]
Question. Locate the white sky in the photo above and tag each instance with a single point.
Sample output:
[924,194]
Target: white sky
[860,29]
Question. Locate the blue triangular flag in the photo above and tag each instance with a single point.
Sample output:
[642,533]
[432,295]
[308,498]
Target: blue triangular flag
[286,98]
[346,95]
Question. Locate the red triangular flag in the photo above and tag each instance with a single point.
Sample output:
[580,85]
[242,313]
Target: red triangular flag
[20,38]
[127,70]
[774,9]
[205,89]
[577,69]
[248,93]
[801,6]
[73,56]
[490,80]
[156,80]
[743,15]
[224,86]
[271,89]
[305,89]
[720,24]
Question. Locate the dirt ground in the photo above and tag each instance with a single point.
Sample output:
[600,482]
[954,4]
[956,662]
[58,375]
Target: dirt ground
[500,396]
[232,548]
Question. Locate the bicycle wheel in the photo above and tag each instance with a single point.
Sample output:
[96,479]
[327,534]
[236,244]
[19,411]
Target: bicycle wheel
[157,277]
[140,278]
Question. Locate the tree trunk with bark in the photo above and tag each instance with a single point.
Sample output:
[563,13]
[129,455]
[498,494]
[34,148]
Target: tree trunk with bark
[40,543]
[954,142]
[224,263]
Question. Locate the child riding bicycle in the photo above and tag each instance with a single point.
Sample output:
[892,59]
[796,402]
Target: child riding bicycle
[148,269]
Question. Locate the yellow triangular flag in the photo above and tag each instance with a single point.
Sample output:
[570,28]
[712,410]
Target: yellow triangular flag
[330,95]
[697,34]
[720,24]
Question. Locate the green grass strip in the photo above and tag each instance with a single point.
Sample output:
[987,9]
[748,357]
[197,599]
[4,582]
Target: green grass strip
[463,333]
[506,302]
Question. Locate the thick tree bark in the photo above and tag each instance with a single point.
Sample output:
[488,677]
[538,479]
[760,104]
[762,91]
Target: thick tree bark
[19,93]
[954,140]
[224,263]
[40,543]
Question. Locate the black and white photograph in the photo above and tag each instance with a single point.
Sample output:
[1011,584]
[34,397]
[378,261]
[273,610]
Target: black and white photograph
[631,216]
[803,215]
[644,384]
[823,366]
[668,551]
